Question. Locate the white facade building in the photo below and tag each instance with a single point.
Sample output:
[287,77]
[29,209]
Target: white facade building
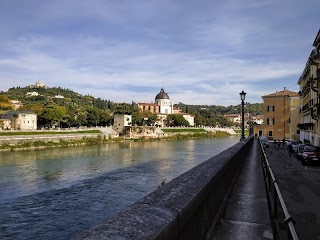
[32,94]
[166,105]
[163,106]
[20,120]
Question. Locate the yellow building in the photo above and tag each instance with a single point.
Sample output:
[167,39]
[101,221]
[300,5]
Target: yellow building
[278,115]
[309,101]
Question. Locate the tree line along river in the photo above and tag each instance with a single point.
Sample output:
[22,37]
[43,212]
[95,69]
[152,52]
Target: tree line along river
[58,193]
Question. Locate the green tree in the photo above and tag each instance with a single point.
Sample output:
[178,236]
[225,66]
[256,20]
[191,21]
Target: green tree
[51,116]
[200,120]
[5,103]
[123,108]
[175,120]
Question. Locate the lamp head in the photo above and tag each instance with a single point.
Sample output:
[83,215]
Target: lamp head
[243,95]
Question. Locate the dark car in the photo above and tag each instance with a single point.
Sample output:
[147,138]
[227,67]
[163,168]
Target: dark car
[310,155]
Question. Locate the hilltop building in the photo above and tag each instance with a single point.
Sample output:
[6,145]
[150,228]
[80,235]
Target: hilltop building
[19,120]
[38,84]
[163,106]
[279,116]
[32,94]
[309,83]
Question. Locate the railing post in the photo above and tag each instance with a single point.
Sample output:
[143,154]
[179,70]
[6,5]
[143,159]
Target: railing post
[275,203]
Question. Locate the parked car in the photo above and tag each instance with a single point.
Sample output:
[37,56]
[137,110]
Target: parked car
[310,155]
[299,151]
[264,140]
[294,144]
[288,142]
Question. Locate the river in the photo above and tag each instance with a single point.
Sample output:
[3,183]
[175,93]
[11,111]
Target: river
[58,193]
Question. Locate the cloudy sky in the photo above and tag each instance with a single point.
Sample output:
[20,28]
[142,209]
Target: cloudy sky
[199,51]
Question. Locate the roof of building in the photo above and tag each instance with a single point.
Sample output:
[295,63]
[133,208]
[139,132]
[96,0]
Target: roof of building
[317,39]
[12,112]
[283,93]
[147,104]
[162,95]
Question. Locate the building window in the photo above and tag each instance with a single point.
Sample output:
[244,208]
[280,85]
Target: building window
[270,121]
[270,133]
[270,108]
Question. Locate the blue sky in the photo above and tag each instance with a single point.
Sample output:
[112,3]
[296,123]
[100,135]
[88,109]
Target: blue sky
[201,52]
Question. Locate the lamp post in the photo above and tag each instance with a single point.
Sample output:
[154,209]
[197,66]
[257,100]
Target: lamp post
[242,97]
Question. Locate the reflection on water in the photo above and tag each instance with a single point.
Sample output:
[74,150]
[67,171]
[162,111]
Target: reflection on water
[59,192]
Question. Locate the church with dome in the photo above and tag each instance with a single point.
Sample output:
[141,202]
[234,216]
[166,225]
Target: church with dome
[163,106]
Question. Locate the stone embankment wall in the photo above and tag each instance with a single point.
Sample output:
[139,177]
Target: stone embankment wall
[108,132]
[188,207]
[156,132]
[214,129]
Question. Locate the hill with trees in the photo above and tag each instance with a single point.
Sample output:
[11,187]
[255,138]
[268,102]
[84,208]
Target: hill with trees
[212,115]
[62,107]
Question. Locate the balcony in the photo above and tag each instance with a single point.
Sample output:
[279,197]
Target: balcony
[305,126]
[306,89]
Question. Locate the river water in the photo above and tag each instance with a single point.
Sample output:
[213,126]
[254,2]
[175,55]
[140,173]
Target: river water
[59,193]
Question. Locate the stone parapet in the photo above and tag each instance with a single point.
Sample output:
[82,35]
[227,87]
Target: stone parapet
[188,207]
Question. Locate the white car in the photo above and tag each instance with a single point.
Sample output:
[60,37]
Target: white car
[264,140]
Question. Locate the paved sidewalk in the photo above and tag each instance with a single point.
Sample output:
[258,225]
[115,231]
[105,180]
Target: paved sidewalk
[247,215]
[300,188]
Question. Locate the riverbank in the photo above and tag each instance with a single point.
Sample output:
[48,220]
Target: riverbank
[33,142]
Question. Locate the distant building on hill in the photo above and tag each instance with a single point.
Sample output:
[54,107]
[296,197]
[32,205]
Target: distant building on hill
[58,96]
[38,84]
[236,118]
[163,107]
[19,120]
[32,94]
[257,119]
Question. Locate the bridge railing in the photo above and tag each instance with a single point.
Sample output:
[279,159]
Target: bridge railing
[282,222]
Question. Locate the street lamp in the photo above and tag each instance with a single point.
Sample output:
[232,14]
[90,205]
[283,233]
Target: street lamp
[242,97]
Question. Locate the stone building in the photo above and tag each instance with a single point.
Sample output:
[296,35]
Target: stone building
[121,121]
[278,115]
[19,120]
[38,84]
[309,83]
[163,106]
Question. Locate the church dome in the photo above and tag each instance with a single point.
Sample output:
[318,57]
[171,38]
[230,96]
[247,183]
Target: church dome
[162,95]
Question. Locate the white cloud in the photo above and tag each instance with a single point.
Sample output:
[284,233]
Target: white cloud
[200,53]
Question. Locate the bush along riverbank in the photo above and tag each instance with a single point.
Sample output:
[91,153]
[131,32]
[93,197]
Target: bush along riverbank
[100,139]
